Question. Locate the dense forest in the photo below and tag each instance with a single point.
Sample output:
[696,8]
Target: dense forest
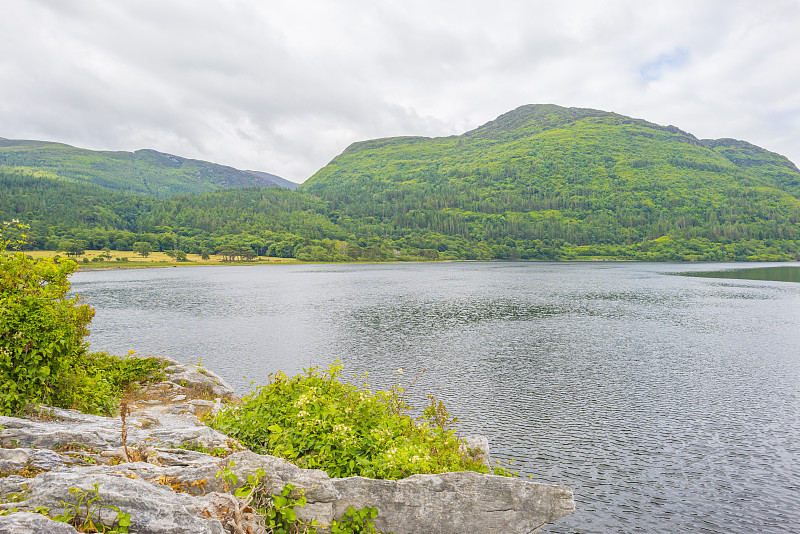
[540,182]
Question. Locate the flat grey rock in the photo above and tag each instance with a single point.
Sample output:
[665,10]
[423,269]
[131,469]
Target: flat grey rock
[30,523]
[456,503]
[101,433]
[10,485]
[15,459]
[154,508]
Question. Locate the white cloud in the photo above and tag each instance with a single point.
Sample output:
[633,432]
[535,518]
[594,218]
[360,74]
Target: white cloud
[285,86]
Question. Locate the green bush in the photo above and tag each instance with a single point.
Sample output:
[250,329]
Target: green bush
[43,355]
[317,421]
[41,330]
[98,380]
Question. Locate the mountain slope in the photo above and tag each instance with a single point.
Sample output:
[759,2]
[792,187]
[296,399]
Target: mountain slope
[580,176]
[146,172]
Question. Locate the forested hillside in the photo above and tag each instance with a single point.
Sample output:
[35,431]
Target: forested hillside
[145,172]
[60,211]
[581,181]
[540,182]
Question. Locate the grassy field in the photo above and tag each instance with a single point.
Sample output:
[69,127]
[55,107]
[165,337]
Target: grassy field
[121,259]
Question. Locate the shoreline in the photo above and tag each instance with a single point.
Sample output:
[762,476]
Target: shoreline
[165,471]
[161,260]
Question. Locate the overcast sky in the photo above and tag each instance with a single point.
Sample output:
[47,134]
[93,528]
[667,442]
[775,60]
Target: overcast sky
[284,87]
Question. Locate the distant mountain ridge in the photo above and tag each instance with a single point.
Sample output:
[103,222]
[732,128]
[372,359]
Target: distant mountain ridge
[144,172]
[534,120]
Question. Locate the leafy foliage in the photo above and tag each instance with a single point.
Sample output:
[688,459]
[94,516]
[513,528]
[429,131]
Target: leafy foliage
[41,331]
[356,521]
[86,513]
[43,355]
[317,421]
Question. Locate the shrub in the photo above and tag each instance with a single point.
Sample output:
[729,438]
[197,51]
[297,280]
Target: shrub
[98,379]
[43,355]
[317,421]
[41,330]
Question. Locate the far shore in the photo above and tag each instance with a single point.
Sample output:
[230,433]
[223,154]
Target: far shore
[125,259]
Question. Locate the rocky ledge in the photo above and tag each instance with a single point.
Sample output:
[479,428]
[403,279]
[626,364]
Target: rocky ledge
[151,467]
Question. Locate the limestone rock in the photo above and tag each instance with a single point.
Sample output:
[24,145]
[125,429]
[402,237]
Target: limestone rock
[12,460]
[174,430]
[28,523]
[184,458]
[456,503]
[12,484]
[154,508]
[448,503]
[102,433]
[97,432]
[279,472]
[193,376]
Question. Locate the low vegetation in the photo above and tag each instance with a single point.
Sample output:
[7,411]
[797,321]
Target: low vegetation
[318,421]
[44,358]
[277,514]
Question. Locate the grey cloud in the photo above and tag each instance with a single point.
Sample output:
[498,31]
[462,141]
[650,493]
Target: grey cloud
[284,87]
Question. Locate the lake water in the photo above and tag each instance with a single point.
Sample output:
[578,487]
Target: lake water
[667,403]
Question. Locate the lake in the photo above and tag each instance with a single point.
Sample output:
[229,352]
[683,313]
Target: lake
[668,403]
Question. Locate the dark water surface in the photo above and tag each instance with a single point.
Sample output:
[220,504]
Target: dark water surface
[668,403]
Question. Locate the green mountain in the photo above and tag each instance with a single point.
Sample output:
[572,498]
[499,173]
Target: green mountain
[144,172]
[540,182]
[593,182]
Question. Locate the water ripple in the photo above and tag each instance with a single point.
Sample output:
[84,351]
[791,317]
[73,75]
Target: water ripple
[668,404]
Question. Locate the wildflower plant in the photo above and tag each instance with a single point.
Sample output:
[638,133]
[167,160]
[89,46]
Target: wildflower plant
[316,420]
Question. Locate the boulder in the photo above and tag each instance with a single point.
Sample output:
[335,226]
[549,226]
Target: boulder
[448,503]
[456,503]
[196,377]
